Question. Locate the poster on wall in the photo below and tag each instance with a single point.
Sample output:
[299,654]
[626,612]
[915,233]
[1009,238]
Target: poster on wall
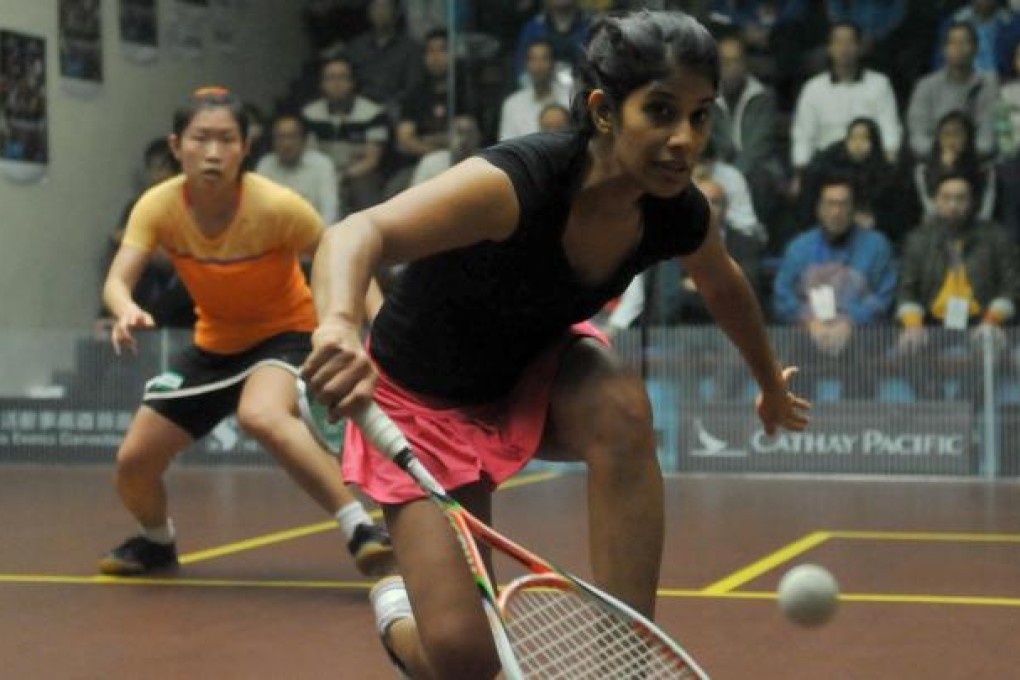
[224,21]
[81,47]
[24,125]
[139,31]
[186,32]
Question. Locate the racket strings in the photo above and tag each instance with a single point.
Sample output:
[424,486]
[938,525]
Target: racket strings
[561,634]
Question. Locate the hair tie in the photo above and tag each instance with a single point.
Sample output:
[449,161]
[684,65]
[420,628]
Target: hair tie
[211,91]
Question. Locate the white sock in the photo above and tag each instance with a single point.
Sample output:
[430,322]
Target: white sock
[164,535]
[350,516]
[389,603]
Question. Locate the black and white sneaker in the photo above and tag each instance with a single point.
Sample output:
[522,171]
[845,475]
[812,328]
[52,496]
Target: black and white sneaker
[372,550]
[138,555]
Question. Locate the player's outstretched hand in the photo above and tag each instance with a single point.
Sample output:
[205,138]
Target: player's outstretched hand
[782,408]
[338,371]
[120,333]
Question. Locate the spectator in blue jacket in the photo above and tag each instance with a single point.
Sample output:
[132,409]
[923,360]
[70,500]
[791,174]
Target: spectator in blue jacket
[832,278]
[997,29]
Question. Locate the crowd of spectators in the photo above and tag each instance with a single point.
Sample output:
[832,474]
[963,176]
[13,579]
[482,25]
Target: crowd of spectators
[846,133]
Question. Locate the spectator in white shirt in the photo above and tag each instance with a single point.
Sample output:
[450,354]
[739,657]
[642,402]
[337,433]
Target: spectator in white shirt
[829,101]
[958,86]
[308,172]
[520,112]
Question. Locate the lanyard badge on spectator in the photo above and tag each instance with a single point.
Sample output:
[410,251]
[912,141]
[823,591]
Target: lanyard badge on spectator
[957,313]
[823,302]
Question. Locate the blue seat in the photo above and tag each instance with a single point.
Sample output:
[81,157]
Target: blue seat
[895,391]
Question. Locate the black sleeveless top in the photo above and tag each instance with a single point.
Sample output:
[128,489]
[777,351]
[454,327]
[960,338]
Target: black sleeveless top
[462,325]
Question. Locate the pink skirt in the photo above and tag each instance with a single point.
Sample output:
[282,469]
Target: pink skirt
[460,445]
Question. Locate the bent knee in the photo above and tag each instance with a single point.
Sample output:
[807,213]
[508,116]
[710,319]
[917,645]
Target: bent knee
[260,420]
[625,403]
[612,417]
[459,649]
[139,463]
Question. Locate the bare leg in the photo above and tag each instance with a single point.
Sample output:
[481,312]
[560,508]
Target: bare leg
[149,447]
[600,414]
[268,412]
[449,637]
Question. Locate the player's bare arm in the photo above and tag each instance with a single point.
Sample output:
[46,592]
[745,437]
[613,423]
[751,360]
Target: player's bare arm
[735,308]
[126,269]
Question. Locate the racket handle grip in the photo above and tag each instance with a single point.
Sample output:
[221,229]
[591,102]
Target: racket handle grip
[381,432]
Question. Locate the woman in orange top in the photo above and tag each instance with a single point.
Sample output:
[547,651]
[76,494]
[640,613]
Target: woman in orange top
[235,240]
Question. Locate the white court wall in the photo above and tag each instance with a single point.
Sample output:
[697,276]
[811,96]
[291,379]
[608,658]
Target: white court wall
[52,234]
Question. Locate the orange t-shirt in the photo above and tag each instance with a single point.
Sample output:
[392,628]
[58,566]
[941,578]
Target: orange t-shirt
[246,282]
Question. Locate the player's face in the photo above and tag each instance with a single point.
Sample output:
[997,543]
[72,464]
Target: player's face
[662,129]
[211,149]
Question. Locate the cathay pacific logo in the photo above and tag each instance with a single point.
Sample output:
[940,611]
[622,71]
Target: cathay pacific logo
[710,446]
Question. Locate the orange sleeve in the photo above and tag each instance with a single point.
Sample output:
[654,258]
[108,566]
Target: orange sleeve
[304,226]
[143,223]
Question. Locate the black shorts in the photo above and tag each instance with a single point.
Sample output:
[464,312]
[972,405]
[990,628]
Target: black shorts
[202,388]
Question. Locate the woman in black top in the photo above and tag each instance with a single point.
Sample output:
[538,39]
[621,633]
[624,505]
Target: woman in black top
[955,151]
[878,192]
[480,352]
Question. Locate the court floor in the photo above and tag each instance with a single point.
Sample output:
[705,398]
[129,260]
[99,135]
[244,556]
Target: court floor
[930,573]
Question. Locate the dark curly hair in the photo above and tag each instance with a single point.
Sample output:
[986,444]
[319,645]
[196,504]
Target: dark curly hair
[626,52]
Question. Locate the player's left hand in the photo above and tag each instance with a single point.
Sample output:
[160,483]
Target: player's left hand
[781,408]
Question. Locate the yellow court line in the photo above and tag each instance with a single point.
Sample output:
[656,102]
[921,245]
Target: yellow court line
[171,581]
[933,536]
[932,599]
[874,598]
[257,542]
[530,478]
[308,530]
[767,563]
[877,598]
[240,546]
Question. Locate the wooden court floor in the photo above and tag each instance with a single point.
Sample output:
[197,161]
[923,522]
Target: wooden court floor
[930,572]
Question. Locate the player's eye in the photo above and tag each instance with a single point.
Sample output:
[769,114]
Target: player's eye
[701,117]
[661,112]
